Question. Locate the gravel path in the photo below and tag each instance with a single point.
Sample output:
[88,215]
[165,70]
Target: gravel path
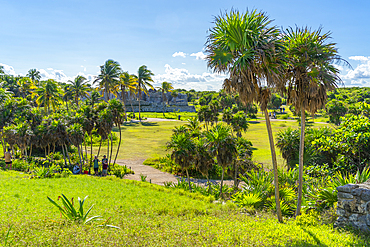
[156,176]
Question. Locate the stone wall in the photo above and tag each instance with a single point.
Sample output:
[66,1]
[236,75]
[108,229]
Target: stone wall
[354,206]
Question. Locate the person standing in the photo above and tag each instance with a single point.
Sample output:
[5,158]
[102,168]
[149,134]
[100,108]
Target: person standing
[105,165]
[96,165]
[8,159]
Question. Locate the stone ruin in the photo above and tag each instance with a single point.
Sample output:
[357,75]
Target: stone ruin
[153,102]
[354,206]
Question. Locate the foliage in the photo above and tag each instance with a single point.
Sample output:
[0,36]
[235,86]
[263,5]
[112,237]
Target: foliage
[71,213]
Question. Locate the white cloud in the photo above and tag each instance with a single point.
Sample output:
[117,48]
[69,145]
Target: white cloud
[179,54]
[359,58]
[199,55]
[360,75]
[181,78]
[9,70]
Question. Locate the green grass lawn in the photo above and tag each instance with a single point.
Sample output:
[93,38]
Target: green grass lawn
[148,139]
[143,140]
[148,215]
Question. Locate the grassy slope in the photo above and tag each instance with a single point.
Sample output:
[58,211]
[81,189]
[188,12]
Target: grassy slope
[147,214]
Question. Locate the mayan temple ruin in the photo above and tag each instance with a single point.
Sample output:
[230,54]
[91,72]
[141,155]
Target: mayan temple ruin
[153,102]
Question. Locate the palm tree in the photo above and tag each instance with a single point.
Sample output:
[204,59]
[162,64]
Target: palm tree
[127,83]
[244,46]
[49,94]
[144,76]
[118,115]
[79,88]
[34,75]
[183,151]
[222,145]
[109,77]
[165,88]
[2,70]
[311,74]
[26,86]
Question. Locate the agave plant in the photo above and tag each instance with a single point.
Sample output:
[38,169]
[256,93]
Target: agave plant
[71,213]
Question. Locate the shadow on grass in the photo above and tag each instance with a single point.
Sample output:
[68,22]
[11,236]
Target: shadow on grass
[136,124]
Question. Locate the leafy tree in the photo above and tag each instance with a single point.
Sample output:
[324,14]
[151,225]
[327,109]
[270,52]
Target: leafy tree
[336,109]
[25,86]
[251,54]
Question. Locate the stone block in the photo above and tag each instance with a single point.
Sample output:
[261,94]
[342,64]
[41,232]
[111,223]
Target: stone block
[341,212]
[345,195]
[347,188]
[353,218]
[365,195]
[357,192]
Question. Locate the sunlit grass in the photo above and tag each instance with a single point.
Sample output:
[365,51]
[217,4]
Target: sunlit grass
[148,215]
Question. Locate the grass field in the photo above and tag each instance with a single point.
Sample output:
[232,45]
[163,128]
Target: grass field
[148,139]
[148,215]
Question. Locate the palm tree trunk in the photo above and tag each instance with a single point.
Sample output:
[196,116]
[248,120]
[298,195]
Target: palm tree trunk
[123,100]
[101,140]
[82,154]
[85,150]
[222,180]
[91,147]
[274,163]
[187,175]
[119,143]
[2,143]
[69,159]
[236,175]
[133,111]
[163,103]
[209,185]
[64,156]
[301,151]
[139,104]
[108,149]
[111,148]
[79,154]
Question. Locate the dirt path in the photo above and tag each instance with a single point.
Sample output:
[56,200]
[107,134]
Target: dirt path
[156,176]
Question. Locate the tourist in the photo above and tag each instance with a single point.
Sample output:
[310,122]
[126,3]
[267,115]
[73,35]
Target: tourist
[8,159]
[96,165]
[105,165]
[76,169]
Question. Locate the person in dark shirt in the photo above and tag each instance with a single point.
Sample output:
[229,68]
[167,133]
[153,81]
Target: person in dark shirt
[105,165]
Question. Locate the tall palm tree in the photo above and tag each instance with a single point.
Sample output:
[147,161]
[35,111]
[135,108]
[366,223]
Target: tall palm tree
[311,74]
[245,47]
[108,77]
[144,77]
[49,93]
[165,88]
[127,82]
[79,88]
[34,75]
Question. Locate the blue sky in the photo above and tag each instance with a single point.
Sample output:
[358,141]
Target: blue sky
[63,38]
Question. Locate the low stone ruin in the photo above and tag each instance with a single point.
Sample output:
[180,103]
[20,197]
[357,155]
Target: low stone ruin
[354,206]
